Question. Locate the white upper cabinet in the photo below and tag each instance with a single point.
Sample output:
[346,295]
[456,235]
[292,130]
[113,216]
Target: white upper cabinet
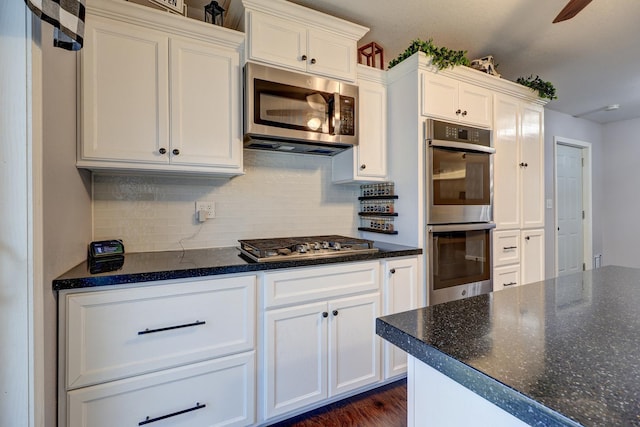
[367,162]
[518,164]
[453,100]
[291,36]
[153,100]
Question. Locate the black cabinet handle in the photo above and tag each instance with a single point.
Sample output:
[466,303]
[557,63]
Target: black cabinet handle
[392,271]
[313,60]
[524,165]
[303,57]
[175,151]
[162,151]
[168,328]
[325,314]
[506,248]
[164,417]
[335,312]
[527,238]
[464,113]
[458,111]
[509,284]
[363,166]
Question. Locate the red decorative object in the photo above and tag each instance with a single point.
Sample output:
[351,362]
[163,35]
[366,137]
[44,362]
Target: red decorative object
[371,52]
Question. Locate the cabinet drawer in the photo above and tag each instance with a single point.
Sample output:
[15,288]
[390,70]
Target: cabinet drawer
[308,284]
[506,277]
[119,333]
[506,247]
[218,392]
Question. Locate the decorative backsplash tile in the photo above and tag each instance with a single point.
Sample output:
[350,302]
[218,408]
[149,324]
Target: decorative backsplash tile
[279,195]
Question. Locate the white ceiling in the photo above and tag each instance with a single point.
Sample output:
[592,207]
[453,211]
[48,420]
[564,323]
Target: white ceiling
[593,60]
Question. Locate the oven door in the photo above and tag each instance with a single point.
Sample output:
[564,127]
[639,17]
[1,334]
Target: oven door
[460,262]
[460,183]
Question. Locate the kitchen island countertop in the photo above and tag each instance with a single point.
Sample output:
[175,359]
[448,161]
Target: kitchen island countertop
[154,266]
[562,352]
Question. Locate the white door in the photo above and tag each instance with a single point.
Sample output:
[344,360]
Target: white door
[354,347]
[569,209]
[125,84]
[532,166]
[295,357]
[401,294]
[204,105]
[532,265]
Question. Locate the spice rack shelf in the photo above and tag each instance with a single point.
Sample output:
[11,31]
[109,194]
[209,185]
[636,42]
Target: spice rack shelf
[377,208]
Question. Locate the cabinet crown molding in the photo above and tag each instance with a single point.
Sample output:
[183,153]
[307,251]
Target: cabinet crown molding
[421,61]
[173,24]
[311,18]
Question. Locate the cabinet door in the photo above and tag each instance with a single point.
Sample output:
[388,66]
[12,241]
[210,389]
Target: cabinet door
[354,348]
[532,256]
[506,172]
[331,55]
[506,277]
[439,96]
[205,113]
[532,155]
[476,104]
[372,147]
[218,392]
[400,293]
[295,357]
[124,93]
[277,41]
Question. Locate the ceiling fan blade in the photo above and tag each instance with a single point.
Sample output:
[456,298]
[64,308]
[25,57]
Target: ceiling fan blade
[571,9]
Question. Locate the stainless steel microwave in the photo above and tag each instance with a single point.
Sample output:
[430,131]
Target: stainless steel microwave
[298,113]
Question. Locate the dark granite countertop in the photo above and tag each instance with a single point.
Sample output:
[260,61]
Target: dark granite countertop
[152,266]
[563,352]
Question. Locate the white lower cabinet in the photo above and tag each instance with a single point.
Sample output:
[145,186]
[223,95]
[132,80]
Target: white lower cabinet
[157,350]
[217,392]
[518,257]
[401,293]
[325,344]
[532,256]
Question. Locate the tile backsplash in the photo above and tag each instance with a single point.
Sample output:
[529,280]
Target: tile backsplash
[279,195]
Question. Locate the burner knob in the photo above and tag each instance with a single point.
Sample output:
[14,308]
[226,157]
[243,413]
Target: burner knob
[302,248]
[337,246]
[325,245]
[284,251]
[316,246]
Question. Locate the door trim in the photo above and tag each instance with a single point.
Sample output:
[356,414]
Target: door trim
[587,224]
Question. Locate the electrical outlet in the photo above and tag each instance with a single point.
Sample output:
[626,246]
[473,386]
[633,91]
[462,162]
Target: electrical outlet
[209,207]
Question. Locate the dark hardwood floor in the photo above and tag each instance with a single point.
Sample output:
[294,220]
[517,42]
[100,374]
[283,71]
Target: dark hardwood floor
[383,407]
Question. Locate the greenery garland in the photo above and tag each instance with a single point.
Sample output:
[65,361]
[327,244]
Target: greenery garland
[545,89]
[441,57]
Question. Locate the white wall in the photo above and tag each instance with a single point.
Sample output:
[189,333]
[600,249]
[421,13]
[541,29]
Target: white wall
[280,195]
[621,202]
[15,255]
[66,196]
[566,126]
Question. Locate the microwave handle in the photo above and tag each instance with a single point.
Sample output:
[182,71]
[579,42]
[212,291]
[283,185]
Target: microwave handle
[336,114]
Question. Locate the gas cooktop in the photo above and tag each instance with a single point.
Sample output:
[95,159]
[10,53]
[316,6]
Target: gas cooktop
[295,248]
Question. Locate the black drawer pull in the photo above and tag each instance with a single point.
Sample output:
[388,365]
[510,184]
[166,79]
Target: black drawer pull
[168,328]
[164,417]
[509,284]
[506,248]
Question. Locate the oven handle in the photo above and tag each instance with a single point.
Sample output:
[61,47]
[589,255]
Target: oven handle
[462,146]
[444,228]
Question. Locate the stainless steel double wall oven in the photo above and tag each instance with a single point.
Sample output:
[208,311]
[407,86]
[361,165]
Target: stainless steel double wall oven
[459,199]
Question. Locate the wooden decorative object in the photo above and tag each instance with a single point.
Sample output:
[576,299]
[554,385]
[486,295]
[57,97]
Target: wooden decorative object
[373,54]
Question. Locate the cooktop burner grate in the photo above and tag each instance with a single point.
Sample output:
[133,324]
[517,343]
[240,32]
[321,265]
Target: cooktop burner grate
[290,248]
